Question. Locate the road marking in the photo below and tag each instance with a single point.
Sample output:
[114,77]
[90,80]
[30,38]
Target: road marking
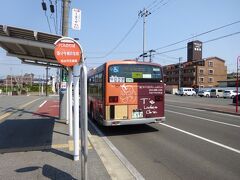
[205,119]
[119,155]
[20,107]
[200,110]
[59,146]
[202,138]
[25,105]
[39,148]
[71,145]
[5,115]
[43,103]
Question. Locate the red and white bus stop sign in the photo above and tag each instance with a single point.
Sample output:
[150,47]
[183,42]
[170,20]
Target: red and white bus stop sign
[68,52]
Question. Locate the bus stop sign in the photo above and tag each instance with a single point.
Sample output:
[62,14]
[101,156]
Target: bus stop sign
[68,52]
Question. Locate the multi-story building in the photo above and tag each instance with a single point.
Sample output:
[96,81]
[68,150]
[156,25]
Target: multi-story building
[17,80]
[196,71]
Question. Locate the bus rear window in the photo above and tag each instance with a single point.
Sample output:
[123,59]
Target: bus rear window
[128,73]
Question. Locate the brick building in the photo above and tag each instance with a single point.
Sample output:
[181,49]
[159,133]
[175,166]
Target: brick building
[196,71]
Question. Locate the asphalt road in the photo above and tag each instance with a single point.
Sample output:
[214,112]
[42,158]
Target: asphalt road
[194,143]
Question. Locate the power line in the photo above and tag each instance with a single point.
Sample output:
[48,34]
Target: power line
[156,5]
[212,30]
[119,43]
[56,5]
[156,10]
[211,40]
[151,4]
[52,10]
[218,38]
[44,7]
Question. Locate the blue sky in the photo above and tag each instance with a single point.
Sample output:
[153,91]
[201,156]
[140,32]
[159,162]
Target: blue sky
[106,22]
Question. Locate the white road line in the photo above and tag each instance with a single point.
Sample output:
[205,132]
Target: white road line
[185,108]
[120,156]
[202,138]
[231,115]
[205,119]
[43,103]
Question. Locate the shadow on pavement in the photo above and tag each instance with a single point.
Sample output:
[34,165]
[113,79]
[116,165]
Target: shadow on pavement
[47,171]
[25,134]
[60,153]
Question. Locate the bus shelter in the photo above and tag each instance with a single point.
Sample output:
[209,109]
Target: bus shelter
[37,48]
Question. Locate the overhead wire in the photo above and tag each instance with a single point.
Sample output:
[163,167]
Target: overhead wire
[52,16]
[156,5]
[157,9]
[56,5]
[209,31]
[151,4]
[119,43]
[211,40]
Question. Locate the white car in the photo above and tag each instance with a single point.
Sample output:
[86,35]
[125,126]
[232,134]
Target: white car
[230,93]
[204,93]
[187,92]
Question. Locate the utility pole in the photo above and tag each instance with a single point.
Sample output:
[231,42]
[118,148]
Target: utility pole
[47,68]
[63,94]
[179,72]
[144,13]
[150,54]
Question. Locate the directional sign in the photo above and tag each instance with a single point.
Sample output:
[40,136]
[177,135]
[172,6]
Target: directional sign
[76,19]
[68,52]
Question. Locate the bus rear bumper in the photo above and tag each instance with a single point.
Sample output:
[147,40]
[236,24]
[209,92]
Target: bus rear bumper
[120,122]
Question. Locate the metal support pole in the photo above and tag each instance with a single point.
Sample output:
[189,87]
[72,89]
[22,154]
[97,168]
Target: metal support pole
[6,86]
[70,101]
[76,112]
[46,87]
[179,73]
[42,85]
[84,122]
[67,103]
[11,82]
[238,59]
[144,40]
[144,13]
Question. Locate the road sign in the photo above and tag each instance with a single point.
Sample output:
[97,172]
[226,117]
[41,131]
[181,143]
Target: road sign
[68,52]
[76,19]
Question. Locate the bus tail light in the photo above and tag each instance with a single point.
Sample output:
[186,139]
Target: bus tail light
[158,98]
[113,99]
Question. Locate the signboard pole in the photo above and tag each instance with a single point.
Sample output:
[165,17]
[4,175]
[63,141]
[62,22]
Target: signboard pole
[76,112]
[84,121]
[70,101]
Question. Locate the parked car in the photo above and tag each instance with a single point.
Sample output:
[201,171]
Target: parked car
[216,93]
[186,91]
[229,93]
[204,93]
[177,92]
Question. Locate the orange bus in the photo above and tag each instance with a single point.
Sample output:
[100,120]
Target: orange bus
[126,92]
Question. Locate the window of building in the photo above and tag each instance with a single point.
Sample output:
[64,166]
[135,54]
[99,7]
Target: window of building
[201,71]
[210,71]
[210,64]
[210,79]
[201,79]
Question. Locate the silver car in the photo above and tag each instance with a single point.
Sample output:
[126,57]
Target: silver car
[230,93]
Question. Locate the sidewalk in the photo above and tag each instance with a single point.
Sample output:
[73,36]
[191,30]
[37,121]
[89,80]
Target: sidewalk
[47,155]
